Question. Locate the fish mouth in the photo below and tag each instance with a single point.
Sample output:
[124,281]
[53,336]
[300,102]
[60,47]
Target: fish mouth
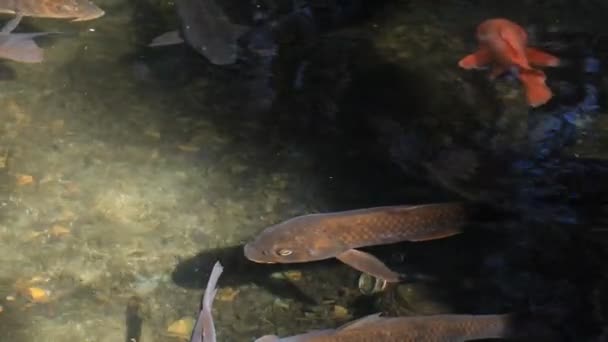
[255,255]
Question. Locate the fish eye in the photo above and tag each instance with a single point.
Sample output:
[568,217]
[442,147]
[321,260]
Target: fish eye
[284,252]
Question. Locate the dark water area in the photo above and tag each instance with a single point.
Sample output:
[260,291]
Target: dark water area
[126,171]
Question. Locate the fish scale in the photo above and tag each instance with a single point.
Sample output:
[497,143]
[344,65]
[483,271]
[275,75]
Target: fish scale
[384,225]
[433,328]
[26,7]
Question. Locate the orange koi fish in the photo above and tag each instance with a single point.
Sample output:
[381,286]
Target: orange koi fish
[503,45]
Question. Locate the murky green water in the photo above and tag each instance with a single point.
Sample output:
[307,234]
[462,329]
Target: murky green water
[112,176]
[126,172]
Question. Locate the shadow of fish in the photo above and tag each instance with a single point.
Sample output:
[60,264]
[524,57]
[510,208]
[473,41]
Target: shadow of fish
[336,235]
[78,10]
[207,29]
[20,47]
[435,328]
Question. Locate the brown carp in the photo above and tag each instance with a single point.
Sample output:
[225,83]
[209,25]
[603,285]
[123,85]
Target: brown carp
[78,10]
[337,235]
[434,328]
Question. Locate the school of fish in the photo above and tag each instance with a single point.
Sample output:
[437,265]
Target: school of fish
[502,46]
[21,47]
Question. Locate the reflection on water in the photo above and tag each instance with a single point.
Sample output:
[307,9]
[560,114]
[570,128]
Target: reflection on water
[126,172]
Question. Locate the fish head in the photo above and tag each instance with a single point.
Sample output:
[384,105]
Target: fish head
[81,10]
[296,240]
[504,38]
[489,34]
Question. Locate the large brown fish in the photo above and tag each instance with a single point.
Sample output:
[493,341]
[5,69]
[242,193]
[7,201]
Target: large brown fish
[79,10]
[336,235]
[436,328]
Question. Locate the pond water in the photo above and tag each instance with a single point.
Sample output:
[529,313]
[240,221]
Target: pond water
[127,171]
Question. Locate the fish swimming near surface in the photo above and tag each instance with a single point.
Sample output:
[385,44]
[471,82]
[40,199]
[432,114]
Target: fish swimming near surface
[503,45]
[204,329]
[207,29]
[337,235]
[78,10]
[20,47]
[434,328]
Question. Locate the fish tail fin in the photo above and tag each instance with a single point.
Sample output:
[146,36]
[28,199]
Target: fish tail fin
[493,326]
[537,92]
[167,38]
[526,325]
[541,58]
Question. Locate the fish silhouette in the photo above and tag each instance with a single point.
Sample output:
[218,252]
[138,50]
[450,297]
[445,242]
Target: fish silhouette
[434,328]
[207,29]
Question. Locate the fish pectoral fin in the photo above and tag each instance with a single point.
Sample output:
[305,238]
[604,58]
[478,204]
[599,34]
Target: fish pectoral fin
[361,322]
[12,24]
[437,234]
[20,47]
[369,264]
[541,58]
[476,60]
[167,38]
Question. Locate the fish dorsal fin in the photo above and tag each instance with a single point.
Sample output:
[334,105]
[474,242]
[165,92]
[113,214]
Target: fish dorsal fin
[518,54]
[361,322]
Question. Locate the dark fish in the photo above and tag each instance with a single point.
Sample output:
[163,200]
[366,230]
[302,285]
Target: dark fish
[206,29]
[336,235]
[134,320]
[79,10]
[204,329]
[20,47]
[436,328]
